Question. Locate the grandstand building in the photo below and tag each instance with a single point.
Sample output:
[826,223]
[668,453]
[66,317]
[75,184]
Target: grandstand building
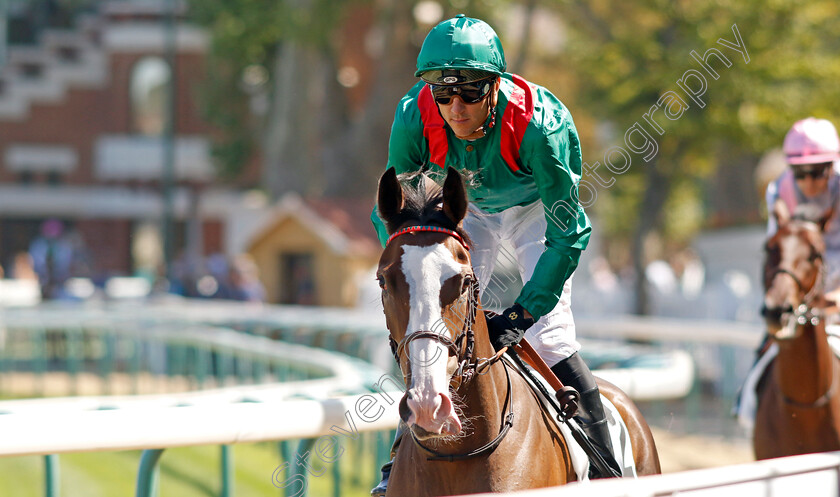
[83,115]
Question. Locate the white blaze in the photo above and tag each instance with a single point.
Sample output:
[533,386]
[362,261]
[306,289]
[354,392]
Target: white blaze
[426,269]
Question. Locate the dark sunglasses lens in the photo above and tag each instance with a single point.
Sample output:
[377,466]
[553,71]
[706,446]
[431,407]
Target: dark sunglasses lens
[441,94]
[815,173]
[469,93]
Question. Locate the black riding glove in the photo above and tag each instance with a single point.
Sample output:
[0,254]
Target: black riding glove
[508,328]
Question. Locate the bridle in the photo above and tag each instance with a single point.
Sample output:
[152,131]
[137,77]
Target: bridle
[805,312]
[463,345]
[463,348]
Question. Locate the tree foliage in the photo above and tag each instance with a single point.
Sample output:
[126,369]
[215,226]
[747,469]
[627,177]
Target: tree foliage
[629,56]
[310,137]
[250,34]
[625,66]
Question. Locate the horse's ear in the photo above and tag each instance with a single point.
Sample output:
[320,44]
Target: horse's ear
[454,196]
[781,212]
[389,198]
[825,218]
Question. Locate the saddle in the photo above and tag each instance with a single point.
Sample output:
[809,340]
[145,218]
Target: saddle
[561,407]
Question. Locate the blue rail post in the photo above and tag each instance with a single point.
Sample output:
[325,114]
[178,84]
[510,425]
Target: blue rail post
[107,360]
[694,401]
[147,475]
[303,459]
[74,356]
[227,471]
[283,474]
[336,474]
[729,390]
[39,360]
[134,365]
[7,359]
[225,368]
[202,366]
[51,484]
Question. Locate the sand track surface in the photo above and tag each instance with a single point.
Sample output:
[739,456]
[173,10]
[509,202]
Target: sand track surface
[685,452]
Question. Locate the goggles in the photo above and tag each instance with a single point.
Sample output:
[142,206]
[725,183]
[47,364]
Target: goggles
[817,171]
[470,93]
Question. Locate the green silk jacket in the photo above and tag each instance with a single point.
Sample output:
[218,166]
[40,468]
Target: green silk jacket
[531,153]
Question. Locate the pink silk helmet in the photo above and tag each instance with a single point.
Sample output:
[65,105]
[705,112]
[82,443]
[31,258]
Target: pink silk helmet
[812,141]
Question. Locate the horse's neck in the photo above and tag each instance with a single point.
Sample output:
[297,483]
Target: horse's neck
[805,364]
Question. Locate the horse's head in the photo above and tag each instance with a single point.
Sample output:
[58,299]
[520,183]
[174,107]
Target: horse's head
[429,294]
[793,269]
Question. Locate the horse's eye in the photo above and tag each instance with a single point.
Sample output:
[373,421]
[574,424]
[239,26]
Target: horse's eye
[381,280]
[468,281]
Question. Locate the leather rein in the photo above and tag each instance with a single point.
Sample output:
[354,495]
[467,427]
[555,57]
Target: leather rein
[463,348]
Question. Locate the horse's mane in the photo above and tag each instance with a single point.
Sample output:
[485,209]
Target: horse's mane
[423,205]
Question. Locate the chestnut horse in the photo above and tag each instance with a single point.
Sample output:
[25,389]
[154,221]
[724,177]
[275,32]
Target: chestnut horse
[473,423]
[798,409]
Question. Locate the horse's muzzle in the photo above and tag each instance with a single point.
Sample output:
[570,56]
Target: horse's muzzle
[429,417]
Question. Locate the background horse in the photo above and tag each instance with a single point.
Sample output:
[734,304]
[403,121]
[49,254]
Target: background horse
[798,409]
[473,424]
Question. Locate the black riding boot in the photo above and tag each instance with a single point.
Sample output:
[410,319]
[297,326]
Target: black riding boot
[573,372]
[380,489]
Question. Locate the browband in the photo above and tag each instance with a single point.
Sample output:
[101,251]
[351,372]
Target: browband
[435,229]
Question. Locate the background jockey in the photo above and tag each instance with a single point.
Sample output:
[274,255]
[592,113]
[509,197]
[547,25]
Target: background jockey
[517,147]
[812,149]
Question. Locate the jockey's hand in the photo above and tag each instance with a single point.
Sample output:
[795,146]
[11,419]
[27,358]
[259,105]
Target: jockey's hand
[508,328]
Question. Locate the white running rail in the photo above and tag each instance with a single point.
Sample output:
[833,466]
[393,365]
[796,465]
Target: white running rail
[154,427]
[807,475]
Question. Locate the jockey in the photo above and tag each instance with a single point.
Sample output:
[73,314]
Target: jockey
[517,146]
[812,148]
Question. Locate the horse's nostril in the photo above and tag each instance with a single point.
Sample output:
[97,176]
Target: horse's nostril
[405,411]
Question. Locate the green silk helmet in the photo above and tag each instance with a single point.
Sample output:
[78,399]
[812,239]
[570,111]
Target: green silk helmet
[460,50]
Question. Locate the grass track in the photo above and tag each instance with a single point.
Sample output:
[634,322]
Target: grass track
[184,472]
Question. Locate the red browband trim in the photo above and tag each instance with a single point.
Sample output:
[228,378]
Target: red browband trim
[435,229]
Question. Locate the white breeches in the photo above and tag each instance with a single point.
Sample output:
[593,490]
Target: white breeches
[553,335]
